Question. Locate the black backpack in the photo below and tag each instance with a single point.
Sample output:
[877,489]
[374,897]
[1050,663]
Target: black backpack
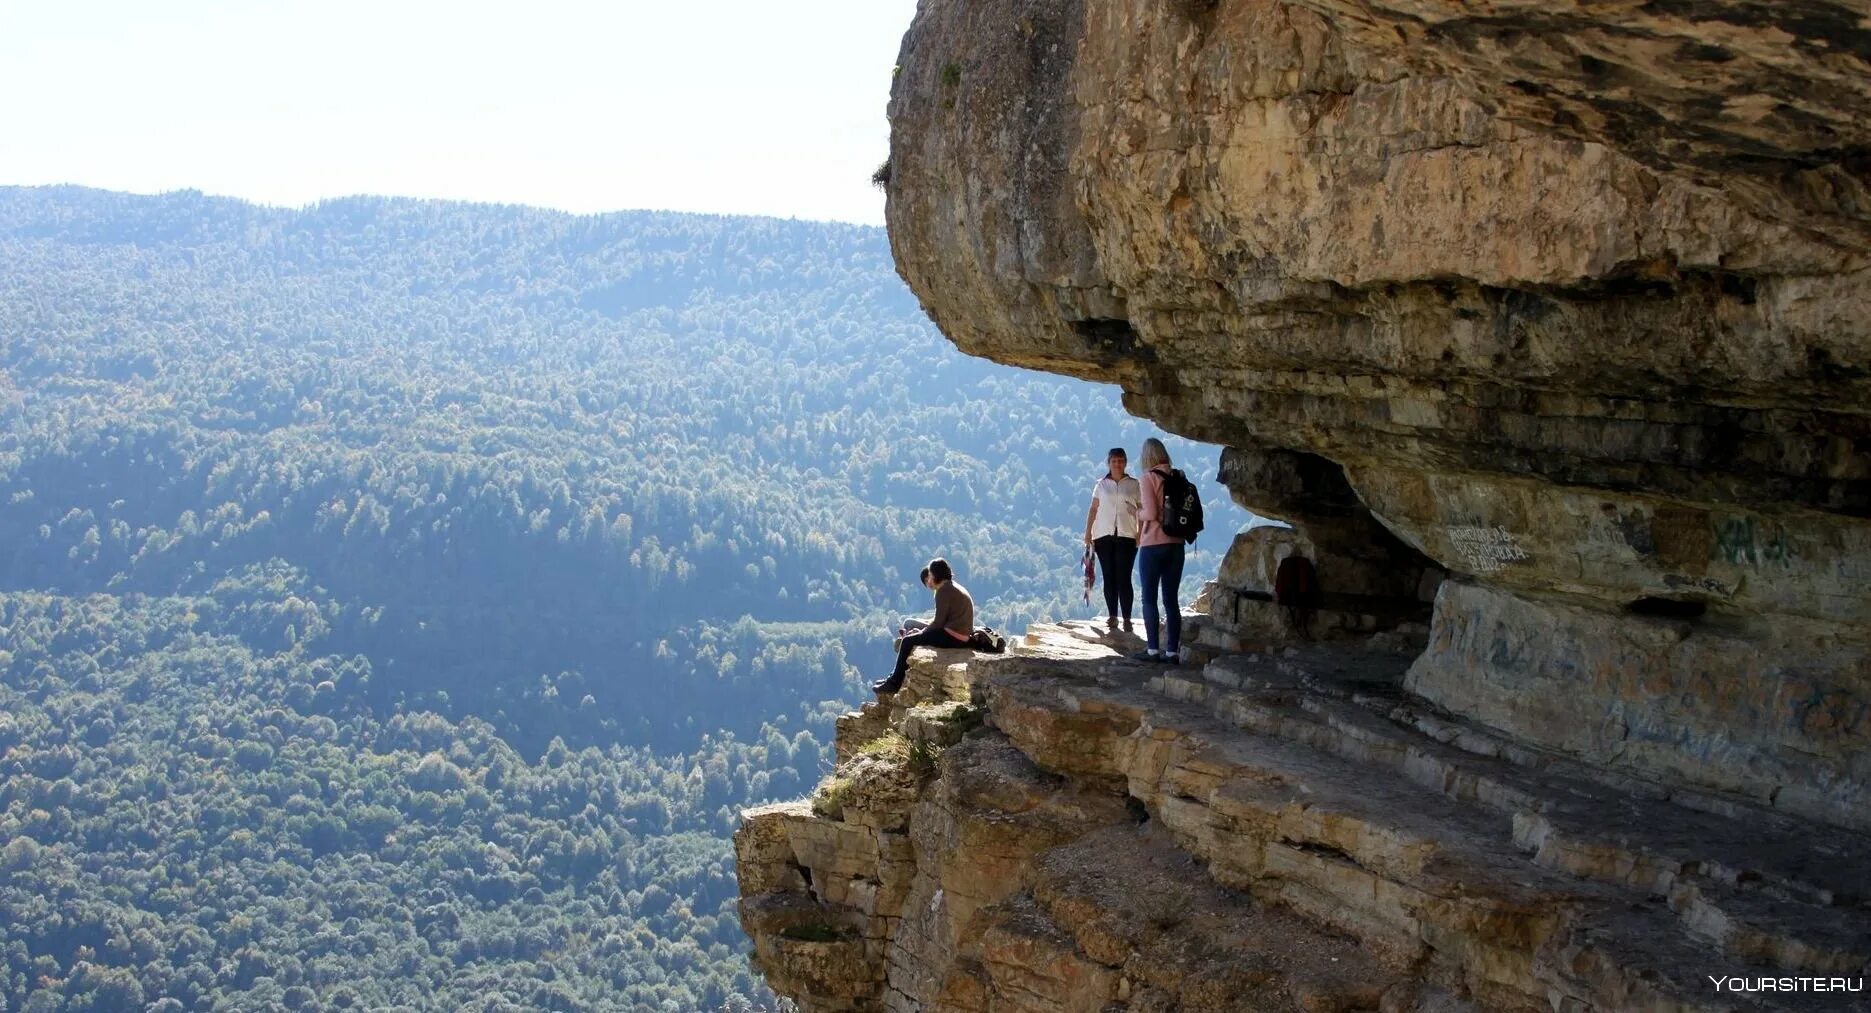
[1182,507]
[985,639]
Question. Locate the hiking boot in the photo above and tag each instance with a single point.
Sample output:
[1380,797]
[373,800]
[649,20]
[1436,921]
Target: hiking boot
[1110,622]
[885,687]
[1127,628]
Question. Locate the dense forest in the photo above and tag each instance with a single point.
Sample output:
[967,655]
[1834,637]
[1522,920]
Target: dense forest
[398,599]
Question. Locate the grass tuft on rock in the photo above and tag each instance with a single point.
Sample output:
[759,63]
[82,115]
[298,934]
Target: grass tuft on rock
[829,800]
[888,746]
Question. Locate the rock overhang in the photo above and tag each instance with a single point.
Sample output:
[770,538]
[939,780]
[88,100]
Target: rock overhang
[1571,297]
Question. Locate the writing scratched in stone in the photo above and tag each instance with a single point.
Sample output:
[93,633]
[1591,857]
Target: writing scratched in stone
[1486,550]
[1705,585]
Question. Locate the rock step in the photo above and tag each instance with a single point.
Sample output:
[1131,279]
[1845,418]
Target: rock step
[1254,616]
[1414,876]
[1300,813]
[812,939]
[1791,898]
[935,684]
[1348,699]
[1759,884]
[1131,904]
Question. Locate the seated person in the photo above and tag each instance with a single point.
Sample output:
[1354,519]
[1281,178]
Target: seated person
[913,624]
[951,627]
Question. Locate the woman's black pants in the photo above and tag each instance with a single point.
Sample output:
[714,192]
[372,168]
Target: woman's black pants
[1117,557]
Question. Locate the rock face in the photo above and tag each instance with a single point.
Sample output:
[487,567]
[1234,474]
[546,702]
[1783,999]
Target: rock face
[1265,833]
[1547,329]
[1569,300]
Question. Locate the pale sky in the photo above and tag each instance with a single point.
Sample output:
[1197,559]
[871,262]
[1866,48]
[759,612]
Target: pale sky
[734,106]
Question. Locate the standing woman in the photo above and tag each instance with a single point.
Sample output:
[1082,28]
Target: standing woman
[1159,558]
[1111,531]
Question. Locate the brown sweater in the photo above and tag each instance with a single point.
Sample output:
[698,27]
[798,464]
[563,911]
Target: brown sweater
[954,611]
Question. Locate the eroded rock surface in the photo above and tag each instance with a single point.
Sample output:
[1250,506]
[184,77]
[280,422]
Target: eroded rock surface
[1268,832]
[1547,329]
[1569,300]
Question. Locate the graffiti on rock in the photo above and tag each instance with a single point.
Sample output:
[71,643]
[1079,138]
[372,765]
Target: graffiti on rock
[1830,714]
[1486,550]
[1745,541]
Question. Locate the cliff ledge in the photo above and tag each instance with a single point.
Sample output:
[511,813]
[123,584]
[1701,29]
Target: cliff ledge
[1065,829]
[1547,328]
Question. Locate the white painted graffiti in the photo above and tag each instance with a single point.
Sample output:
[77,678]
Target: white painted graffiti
[1486,550]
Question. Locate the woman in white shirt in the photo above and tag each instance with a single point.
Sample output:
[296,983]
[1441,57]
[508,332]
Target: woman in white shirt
[1111,531]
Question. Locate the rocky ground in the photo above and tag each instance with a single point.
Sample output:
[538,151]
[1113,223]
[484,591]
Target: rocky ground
[1066,829]
[1546,327]
[1568,300]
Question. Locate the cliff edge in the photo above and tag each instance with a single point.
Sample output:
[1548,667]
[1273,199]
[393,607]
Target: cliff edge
[1547,328]
[1062,828]
[1571,300]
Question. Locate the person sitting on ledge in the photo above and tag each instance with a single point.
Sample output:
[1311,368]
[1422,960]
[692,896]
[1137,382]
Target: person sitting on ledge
[951,627]
[915,624]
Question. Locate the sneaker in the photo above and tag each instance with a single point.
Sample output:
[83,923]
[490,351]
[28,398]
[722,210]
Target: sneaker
[1169,659]
[1149,656]
[885,687]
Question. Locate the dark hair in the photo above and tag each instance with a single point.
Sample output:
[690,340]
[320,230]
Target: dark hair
[1114,452]
[923,577]
[938,568]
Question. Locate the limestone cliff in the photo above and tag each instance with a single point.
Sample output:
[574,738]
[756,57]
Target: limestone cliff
[1064,829]
[1547,327]
[1572,298]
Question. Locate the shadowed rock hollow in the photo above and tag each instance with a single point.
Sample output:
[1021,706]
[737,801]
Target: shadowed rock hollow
[1547,326]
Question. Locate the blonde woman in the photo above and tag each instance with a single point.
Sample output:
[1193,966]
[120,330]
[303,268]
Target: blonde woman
[1111,531]
[1159,559]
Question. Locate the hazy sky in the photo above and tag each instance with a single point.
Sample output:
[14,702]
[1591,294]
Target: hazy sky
[742,106]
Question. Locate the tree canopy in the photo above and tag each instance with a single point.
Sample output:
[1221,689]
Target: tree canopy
[399,598]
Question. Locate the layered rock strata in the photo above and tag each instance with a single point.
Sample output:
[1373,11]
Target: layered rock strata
[1547,329]
[1569,300]
[1267,832]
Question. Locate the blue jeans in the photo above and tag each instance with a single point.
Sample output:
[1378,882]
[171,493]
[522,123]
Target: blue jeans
[1161,569]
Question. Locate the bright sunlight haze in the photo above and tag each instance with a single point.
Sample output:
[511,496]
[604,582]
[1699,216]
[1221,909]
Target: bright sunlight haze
[738,107]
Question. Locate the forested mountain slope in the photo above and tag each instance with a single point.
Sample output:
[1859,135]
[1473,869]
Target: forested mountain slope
[458,569]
